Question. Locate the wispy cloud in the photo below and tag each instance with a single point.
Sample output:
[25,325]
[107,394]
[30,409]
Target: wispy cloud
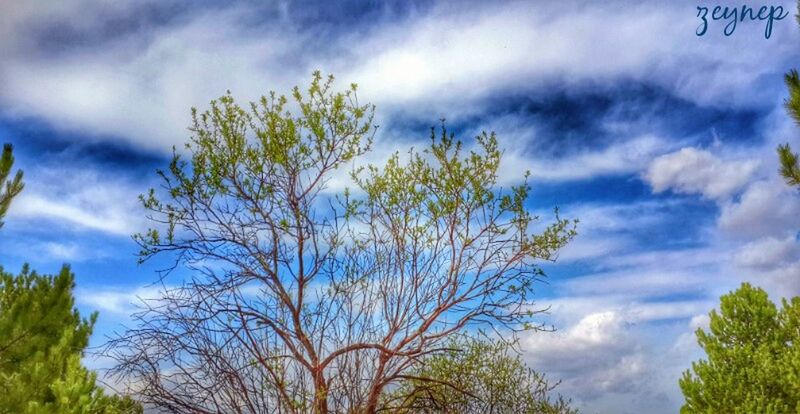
[769,253]
[81,199]
[766,208]
[621,158]
[121,302]
[485,49]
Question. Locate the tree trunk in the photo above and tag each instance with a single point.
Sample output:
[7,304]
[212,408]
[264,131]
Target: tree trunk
[320,394]
[372,403]
[375,392]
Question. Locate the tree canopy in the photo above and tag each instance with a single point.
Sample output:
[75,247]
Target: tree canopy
[753,363]
[42,338]
[309,297]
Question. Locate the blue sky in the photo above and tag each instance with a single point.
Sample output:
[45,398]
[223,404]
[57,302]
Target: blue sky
[661,142]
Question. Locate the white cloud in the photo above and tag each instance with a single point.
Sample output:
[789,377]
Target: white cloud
[604,219]
[594,332]
[756,229]
[619,158]
[62,251]
[768,253]
[639,281]
[635,308]
[484,49]
[596,355]
[701,258]
[586,248]
[36,206]
[83,199]
[686,343]
[694,171]
[766,208]
[65,251]
[140,86]
[615,351]
[781,282]
[610,356]
[630,295]
[122,302]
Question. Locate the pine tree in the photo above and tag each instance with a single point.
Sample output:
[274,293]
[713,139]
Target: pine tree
[42,338]
[790,165]
[13,186]
[753,363]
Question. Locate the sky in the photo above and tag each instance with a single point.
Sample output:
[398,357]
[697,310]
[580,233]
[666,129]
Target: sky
[661,142]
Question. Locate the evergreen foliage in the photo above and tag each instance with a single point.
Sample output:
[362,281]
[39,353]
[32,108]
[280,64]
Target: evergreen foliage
[753,363]
[11,187]
[790,166]
[42,338]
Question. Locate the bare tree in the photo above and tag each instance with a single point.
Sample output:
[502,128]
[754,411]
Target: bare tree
[304,300]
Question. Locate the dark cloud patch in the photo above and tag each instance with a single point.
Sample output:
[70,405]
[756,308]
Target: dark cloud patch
[38,143]
[564,121]
[62,35]
[590,118]
[321,21]
[352,14]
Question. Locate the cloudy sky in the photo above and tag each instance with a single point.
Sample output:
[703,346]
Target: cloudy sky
[660,141]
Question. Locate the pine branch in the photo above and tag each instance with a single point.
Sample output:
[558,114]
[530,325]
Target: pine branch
[792,104]
[790,167]
[12,187]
